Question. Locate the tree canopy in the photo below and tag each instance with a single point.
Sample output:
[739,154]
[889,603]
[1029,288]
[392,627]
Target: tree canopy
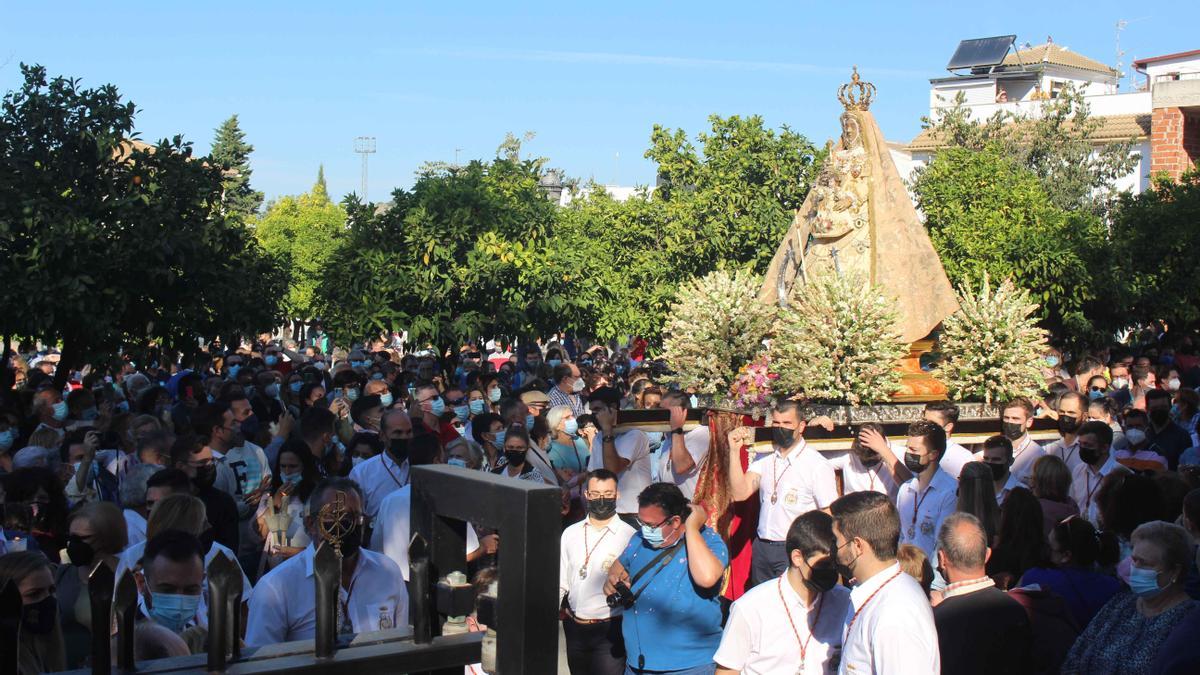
[231,152]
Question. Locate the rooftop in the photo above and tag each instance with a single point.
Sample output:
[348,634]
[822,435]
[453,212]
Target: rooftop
[1114,128]
[1057,55]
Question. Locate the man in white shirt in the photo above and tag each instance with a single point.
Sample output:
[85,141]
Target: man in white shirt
[871,463]
[1072,412]
[797,618]
[682,452]
[1095,462]
[593,629]
[386,472]
[889,625]
[1016,420]
[392,534]
[626,454]
[930,496]
[945,415]
[792,480]
[372,595]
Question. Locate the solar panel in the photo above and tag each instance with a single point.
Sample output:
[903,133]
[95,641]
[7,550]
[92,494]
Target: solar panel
[981,52]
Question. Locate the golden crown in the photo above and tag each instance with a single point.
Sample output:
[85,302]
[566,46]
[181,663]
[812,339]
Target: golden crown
[856,94]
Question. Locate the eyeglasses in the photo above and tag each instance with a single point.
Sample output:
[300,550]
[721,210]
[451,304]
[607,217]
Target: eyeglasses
[654,527]
[609,494]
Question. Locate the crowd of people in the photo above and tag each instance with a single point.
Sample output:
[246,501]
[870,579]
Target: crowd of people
[911,554]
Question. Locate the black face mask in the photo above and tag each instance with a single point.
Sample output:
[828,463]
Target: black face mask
[205,476]
[783,437]
[913,463]
[514,457]
[398,449]
[352,540]
[40,617]
[79,551]
[1001,470]
[602,508]
[1012,430]
[1160,416]
[823,576]
[844,569]
[1068,424]
[249,428]
[1089,455]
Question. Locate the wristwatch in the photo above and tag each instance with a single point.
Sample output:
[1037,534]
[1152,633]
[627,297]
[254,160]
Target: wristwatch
[677,431]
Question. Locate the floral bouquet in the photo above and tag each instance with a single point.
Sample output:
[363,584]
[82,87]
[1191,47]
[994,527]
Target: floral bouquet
[752,387]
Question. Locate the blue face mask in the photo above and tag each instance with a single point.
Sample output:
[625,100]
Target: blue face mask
[461,412]
[457,461]
[437,407]
[385,399]
[494,395]
[652,535]
[271,390]
[291,478]
[499,442]
[1096,395]
[89,414]
[7,438]
[529,422]
[123,406]
[60,411]
[358,364]
[1143,582]
[272,360]
[477,406]
[554,363]
[376,376]
[212,399]
[173,611]
[1052,361]
[352,393]
[571,427]
[295,387]
[233,370]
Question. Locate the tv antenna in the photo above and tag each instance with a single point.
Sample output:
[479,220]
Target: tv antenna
[365,146]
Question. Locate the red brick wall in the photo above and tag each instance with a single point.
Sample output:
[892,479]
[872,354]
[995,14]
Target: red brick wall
[1174,141]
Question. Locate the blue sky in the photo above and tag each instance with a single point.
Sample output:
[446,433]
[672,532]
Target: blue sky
[590,79]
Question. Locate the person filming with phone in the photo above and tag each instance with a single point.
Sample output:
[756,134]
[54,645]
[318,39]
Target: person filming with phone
[668,582]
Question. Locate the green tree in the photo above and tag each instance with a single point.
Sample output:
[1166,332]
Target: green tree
[107,242]
[231,152]
[300,231]
[1057,143]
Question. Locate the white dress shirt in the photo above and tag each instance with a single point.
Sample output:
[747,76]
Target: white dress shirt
[894,633]
[379,477]
[921,515]
[954,458]
[392,534]
[696,441]
[791,485]
[1085,484]
[634,446]
[135,526]
[1009,486]
[285,607]
[759,638]
[587,547]
[1024,455]
[859,478]
[1067,453]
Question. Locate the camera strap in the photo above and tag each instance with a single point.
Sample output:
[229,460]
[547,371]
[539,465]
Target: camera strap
[668,554]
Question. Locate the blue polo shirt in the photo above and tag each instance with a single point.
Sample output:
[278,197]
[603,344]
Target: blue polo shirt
[674,624]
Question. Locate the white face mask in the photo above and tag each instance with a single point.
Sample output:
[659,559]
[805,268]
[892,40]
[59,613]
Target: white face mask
[1173,384]
[578,386]
[1135,436]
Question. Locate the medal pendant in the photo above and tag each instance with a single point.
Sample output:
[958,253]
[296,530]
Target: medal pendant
[910,532]
[582,572]
[774,498]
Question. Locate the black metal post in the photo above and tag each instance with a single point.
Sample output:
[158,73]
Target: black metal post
[327,575]
[125,610]
[420,608]
[224,576]
[100,594]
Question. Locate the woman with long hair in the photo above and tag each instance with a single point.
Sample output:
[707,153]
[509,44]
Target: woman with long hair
[1077,552]
[96,535]
[977,496]
[1051,483]
[1021,543]
[280,516]
[39,639]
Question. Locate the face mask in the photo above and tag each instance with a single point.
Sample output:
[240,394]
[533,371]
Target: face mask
[60,411]
[822,576]
[7,438]
[499,442]
[376,376]
[271,360]
[1173,384]
[437,407]
[913,463]
[554,363]
[356,460]
[212,399]
[870,459]
[173,611]
[577,386]
[1135,436]
[89,414]
[79,551]
[845,569]
[494,395]
[233,370]
[123,406]
[477,406]
[1089,455]
[1095,395]
[249,427]
[319,365]
[1052,361]
[529,422]
[457,461]
[295,387]
[352,540]
[205,476]
[40,617]
[1068,424]
[271,390]
[352,394]
[783,438]
[652,535]
[999,471]
[602,508]
[386,399]
[571,427]
[1120,383]
[291,478]
[358,364]
[1012,430]
[514,457]
[399,450]
[1160,416]
[1143,582]
[462,412]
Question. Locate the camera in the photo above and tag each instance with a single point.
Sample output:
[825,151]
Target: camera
[621,597]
